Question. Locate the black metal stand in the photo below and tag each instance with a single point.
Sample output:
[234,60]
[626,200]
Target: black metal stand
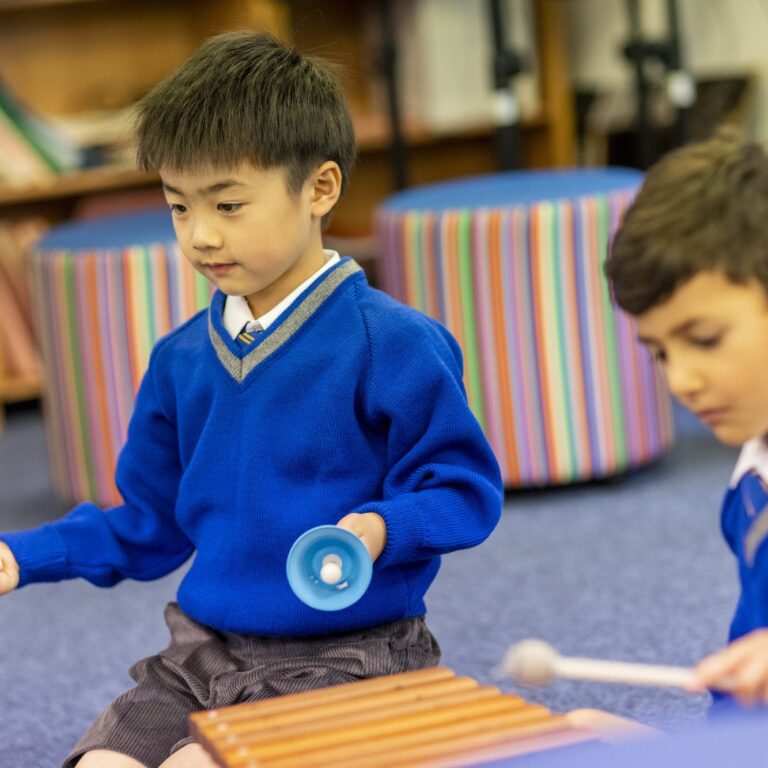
[506,64]
[680,87]
[388,67]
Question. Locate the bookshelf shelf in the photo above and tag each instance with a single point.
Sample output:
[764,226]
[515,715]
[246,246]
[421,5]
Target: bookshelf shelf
[372,137]
[80,184]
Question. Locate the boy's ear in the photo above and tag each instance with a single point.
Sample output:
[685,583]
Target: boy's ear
[325,187]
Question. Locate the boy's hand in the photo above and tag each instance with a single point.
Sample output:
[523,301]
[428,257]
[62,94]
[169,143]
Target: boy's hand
[9,569]
[370,527]
[741,668]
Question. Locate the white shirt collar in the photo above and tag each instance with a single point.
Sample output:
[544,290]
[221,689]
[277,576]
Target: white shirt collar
[237,312]
[753,456]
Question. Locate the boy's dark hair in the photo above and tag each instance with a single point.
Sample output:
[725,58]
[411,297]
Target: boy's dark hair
[246,96]
[702,207]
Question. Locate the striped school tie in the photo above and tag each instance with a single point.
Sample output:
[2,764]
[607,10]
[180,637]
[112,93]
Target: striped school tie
[754,497]
[246,336]
[754,493]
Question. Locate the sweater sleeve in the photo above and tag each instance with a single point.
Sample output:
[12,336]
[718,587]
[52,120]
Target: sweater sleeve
[138,539]
[442,490]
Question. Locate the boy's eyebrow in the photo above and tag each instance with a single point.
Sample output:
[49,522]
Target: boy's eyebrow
[219,186]
[678,330]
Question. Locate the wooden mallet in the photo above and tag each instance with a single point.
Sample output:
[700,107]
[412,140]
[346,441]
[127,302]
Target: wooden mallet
[534,662]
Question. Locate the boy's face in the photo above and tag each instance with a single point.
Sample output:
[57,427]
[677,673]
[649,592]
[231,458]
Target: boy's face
[246,232]
[711,338]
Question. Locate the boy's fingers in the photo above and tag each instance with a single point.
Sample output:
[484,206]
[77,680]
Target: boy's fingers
[7,560]
[348,521]
[9,570]
[709,670]
[752,680]
[9,580]
[718,668]
[367,528]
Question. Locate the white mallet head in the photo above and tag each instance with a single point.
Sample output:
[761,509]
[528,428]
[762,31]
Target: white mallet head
[531,662]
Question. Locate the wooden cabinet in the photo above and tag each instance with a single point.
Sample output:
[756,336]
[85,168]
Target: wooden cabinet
[68,57]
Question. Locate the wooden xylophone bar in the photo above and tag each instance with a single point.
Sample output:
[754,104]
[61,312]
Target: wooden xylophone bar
[428,718]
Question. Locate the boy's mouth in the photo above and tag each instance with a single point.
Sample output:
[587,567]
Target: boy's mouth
[219,269]
[712,415]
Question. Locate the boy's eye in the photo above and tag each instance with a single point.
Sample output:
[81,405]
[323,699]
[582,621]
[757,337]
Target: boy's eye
[229,207]
[178,208]
[706,342]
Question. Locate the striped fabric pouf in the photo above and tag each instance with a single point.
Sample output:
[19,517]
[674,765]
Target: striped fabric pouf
[104,291]
[511,263]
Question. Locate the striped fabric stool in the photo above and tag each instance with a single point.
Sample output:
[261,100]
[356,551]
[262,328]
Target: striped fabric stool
[511,263]
[104,291]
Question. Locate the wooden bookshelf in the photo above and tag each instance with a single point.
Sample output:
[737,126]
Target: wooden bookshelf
[68,57]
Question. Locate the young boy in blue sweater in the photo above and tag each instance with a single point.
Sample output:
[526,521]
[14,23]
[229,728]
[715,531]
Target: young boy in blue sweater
[301,397]
[690,262]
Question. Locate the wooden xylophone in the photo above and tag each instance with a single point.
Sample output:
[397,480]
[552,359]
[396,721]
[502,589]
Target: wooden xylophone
[430,717]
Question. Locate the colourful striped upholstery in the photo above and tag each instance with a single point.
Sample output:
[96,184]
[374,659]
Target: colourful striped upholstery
[512,264]
[105,290]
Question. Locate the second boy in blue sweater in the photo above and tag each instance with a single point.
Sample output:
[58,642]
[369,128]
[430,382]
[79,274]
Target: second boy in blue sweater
[301,397]
[690,262]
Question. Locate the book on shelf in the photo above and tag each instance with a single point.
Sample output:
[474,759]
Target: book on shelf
[32,147]
[20,164]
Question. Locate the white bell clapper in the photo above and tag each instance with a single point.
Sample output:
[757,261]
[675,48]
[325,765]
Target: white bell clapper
[329,568]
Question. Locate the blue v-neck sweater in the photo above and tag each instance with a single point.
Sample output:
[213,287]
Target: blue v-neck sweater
[350,402]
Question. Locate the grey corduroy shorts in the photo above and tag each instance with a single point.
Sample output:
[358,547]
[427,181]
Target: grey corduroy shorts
[203,669]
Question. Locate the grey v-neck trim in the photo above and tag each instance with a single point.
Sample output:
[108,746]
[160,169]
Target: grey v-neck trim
[238,368]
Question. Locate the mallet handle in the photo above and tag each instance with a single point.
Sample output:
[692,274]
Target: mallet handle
[576,668]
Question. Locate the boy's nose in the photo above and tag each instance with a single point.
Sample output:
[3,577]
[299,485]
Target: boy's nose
[685,381]
[205,237]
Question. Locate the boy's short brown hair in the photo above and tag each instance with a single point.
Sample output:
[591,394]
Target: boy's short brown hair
[247,97]
[703,207]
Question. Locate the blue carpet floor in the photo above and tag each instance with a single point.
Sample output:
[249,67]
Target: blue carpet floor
[631,569]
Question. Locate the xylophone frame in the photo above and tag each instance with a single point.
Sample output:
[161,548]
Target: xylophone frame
[430,718]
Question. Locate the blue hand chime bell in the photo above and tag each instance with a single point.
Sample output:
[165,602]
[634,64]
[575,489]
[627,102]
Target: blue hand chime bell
[329,568]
